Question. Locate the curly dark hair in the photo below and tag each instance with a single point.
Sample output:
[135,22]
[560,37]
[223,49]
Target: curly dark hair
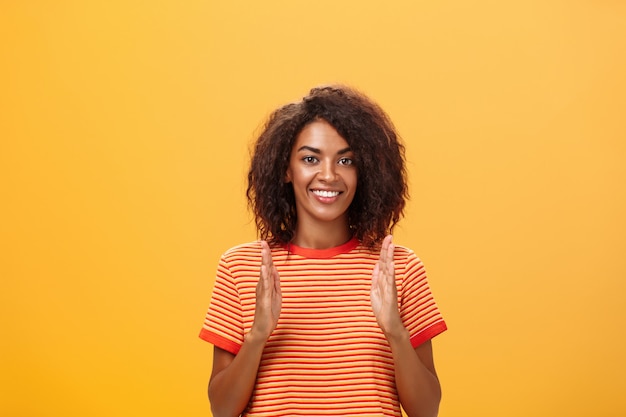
[381,191]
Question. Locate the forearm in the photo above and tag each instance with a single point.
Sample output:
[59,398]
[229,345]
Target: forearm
[231,388]
[418,387]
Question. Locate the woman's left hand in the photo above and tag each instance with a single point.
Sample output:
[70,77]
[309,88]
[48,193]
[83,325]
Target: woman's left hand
[384,294]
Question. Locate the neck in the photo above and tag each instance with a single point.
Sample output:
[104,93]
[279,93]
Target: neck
[325,236]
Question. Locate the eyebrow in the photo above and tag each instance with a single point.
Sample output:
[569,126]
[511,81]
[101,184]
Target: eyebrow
[317,151]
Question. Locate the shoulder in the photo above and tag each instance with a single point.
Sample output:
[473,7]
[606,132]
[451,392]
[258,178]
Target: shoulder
[408,261]
[240,260]
[402,252]
[242,251]
[250,251]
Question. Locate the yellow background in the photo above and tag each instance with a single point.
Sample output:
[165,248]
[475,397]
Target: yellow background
[125,128]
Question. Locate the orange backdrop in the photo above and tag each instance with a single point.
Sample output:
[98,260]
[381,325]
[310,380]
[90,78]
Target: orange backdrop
[125,127]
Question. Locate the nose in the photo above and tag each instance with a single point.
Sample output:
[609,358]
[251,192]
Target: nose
[327,171]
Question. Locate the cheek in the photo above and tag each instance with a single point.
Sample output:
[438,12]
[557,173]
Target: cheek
[354,180]
[302,175]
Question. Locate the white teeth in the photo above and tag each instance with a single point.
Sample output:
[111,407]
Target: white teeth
[323,193]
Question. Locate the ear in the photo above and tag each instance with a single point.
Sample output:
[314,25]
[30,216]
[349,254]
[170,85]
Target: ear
[288,176]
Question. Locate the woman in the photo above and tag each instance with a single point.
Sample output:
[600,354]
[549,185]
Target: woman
[324,315]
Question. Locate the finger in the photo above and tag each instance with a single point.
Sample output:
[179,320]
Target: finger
[390,275]
[263,279]
[375,275]
[266,256]
[266,266]
[383,251]
[389,247]
[265,251]
[390,258]
[276,279]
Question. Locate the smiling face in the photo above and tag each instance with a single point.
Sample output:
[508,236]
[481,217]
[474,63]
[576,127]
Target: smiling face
[323,175]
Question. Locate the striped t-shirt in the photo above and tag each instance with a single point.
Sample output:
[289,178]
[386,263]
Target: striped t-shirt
[327,355]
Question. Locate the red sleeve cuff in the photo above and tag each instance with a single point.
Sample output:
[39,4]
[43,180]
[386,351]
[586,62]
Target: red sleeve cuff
[219,341]
[428,333]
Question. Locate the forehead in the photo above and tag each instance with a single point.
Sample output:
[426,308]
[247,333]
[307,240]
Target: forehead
[321,135]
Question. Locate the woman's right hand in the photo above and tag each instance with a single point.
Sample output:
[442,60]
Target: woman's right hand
[268,297]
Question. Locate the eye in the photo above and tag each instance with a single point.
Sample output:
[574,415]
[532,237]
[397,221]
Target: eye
[309,159]
[346,161]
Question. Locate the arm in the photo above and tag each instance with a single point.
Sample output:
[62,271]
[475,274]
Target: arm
[233,376]
[416,379]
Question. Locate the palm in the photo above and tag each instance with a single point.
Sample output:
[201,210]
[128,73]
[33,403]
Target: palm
[384,295]
[383,299]
[268,295]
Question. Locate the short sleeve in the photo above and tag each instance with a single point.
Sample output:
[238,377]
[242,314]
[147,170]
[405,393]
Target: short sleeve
[418,309]
[223,324]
